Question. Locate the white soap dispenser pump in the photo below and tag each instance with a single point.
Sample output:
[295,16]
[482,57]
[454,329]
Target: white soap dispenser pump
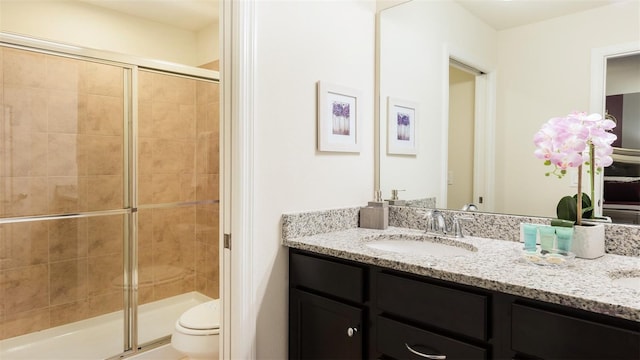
[395,200]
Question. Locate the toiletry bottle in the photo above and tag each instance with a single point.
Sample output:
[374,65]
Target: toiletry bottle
[395,200]
[376,214]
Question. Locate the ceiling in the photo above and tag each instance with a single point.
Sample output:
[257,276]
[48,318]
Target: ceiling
[500,14]
[190,15]
[504,14]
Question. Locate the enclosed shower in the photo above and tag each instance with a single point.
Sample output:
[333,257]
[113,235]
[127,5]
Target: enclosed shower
[109,188]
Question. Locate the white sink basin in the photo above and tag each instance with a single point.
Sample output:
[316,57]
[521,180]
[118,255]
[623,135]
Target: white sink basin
[629,279]
[419,245]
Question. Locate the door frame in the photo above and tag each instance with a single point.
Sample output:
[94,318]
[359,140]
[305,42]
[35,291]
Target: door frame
[238,340]
[599,58]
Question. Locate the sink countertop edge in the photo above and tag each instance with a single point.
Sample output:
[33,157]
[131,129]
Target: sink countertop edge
[495,266]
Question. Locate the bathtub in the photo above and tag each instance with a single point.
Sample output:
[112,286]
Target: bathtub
[99,337]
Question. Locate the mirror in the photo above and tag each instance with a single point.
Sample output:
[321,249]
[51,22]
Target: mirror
[524,75]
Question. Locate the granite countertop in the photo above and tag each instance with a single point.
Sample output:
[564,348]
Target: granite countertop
[496,265]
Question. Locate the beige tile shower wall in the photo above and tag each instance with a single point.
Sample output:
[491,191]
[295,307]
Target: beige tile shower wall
[208,171]
[177,162]
[56,272]
[61,141]
[62,135]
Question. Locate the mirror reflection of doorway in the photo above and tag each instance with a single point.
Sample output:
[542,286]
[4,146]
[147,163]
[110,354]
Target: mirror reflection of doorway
[621,192]
[461,130]
[463,173]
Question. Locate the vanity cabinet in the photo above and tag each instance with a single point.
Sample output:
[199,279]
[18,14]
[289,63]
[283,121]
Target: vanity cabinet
[326,308]
[347,310]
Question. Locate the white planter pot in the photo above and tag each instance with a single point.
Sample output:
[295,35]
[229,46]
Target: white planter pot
[588,241]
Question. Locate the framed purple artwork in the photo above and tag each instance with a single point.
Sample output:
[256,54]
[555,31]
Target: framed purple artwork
[338,119]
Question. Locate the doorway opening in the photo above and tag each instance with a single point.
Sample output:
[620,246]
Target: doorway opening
[467,137]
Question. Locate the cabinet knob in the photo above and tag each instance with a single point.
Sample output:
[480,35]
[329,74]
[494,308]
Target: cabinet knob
[352,331]
[426,356]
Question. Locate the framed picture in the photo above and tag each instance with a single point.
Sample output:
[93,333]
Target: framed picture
[402,119]
[338,119]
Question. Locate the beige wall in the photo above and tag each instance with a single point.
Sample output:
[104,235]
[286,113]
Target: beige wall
[84,25]
[461,138]
[544,71]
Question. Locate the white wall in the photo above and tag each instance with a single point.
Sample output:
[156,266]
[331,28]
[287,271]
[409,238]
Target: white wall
[297,44]
[623,75]
[414,38]
[544,71]
[207,44]
[84,25]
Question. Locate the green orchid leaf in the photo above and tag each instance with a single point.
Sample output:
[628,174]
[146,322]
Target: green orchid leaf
[567,209]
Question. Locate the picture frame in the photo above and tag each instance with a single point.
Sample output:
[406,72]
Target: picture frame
[339,124]
[402,125]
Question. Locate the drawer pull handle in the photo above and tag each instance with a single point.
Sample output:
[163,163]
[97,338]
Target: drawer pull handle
[352,331]
[427,356]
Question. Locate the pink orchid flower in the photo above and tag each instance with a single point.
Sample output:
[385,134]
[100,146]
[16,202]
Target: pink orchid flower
[565,142]
[574,140]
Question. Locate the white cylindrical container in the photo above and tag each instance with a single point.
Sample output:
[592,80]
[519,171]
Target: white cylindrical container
[588,241]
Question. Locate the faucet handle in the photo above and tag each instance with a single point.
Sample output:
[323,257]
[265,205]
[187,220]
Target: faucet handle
[426,213]
[429,215]
[457,227]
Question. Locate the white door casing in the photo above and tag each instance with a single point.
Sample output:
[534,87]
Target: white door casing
[237,39]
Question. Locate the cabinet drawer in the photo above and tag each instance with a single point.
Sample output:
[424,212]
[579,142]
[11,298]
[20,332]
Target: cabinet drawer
[445,308]
[326,276]
[393,338]
[548,334]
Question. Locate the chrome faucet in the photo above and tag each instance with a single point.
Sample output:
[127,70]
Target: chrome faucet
[469,207]
[435,222]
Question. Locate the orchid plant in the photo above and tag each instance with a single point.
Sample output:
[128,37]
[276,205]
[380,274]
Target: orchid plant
[573,141]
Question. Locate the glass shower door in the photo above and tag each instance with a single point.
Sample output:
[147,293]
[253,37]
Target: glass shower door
[64,209]
[177,214]
[108,203]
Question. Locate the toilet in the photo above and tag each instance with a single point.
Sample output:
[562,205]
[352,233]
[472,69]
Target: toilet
[196,333]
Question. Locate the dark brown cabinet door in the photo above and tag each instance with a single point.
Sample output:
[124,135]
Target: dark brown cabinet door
[321,328]
[550,335]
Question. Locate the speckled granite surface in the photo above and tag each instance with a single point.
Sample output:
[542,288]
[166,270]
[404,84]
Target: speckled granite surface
[317,222]
[423,203]
[619,239]
[496,265]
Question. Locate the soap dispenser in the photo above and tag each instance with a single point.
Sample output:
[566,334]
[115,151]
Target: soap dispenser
[395,200]
[376,214]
